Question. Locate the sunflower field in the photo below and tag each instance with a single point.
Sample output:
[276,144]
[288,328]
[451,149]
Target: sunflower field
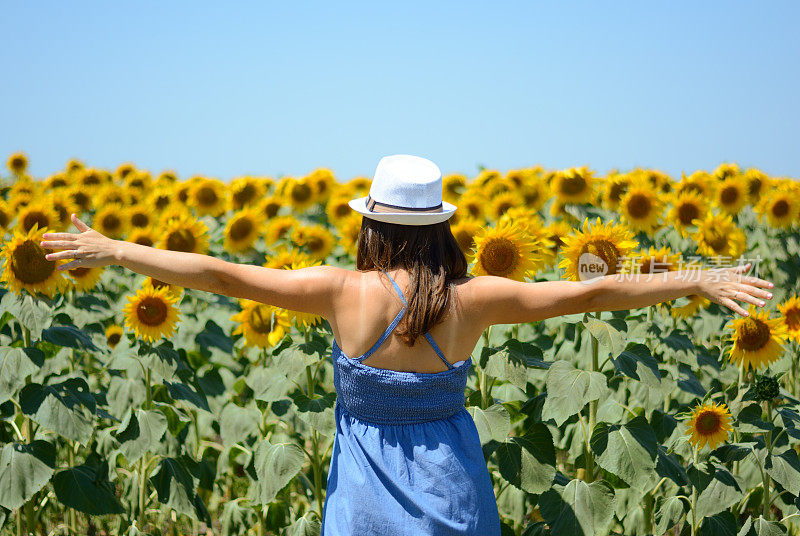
[130,406]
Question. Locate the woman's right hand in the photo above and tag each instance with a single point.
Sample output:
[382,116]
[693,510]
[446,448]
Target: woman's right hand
[724,285]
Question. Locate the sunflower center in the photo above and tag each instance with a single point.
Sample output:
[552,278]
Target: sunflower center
[315,243]
[4,219]
[301,192]
[18,164]
[152,311]
[79,272]
[573,185]
[144,240]
[708,422]
[617,191]
[503,207]
[639,206]
[692,187]
[111,222]
[473,209]
[754,187]
[34,217]
[464,239]
[342,210]
[162,201]
[688,212]
[729,195]
[114,338]
[606,251]
[29,265]
[245,195]
[140,219]
[241,228]
[181,240]
[780,208]
[717,239]
[499,256]
[271,209]
[652,265]
[261,319]
[207,196]
[753,334]
[793,319]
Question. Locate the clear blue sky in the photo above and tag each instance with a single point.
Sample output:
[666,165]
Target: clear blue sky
[231,88]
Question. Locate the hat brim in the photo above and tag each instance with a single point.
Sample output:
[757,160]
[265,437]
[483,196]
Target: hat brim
[403,218]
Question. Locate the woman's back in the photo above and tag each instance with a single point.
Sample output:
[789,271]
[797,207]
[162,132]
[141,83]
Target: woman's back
[368,303]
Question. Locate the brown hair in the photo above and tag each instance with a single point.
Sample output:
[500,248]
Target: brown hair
[433,259]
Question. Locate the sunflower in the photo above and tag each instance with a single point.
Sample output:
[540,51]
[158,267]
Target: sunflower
[598,249]
[139,180]
[279,227]
[85,279]
[73,166]
[472,204]
[614,187]
[503,201]
[37,213]
[63,206]
[486,177]
[139,216]
[687,207]
[283,257]
[699,182]
[270,205]
[505,250]
[144,236]
[359,186]
[56,181]
[298,318]
[717,236]
[124,170]
[497,186]
[80,197]
[322,182]
[114,334]
[653,261]
[17,163]
[261,324]
[574,185]
[160,198]
[299,193]
[453,186]
[185,233]
[245,192]
[24,187]
[109,194]
[757,339]
[111,221]
[780,207]
[694,304]
[174,290]
[555,232]
[338,208]
[731,194]
[726,171]
[315,239]
[535,193]
[151,313]
[242,230]
[167,178]
[758,182]
[208,197]
[91,180]
[710,425]
[790,309]
[464,232]
[641,207]
[349,230]
[26,267]
[5,215]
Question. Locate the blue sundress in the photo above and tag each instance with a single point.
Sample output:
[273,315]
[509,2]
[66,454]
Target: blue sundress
[406,458]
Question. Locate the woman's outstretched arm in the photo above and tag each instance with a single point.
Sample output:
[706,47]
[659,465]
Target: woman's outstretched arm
[510,302]
[309,290]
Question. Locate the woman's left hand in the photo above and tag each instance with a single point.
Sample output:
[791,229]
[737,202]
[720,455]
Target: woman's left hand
[88,248]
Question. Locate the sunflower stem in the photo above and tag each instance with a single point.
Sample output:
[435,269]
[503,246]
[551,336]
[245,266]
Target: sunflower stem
[694,496]
[593,406]
[316,461]
[765,475]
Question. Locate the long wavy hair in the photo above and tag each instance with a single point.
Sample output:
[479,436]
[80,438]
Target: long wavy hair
[430,254]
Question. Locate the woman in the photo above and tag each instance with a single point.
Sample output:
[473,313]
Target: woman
[406,457]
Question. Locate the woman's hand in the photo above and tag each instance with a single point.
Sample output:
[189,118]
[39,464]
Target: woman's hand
[723,285]
[87,249]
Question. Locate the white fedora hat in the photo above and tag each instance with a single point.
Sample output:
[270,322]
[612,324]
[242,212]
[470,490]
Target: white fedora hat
[406,190]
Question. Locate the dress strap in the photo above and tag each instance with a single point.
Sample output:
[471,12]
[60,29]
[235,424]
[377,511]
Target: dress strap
[427,335]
